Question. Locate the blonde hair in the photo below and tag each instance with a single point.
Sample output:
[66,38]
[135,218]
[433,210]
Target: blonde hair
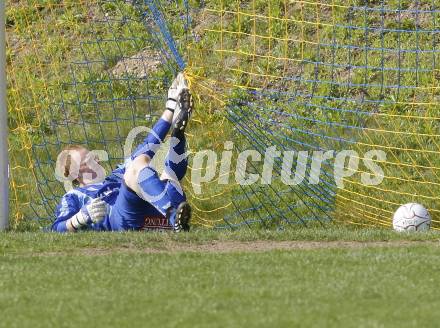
[68,163]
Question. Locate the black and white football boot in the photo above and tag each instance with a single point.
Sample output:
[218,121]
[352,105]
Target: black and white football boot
[183,111]
[180,218]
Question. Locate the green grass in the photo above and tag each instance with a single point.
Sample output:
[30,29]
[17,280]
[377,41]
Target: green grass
[63,281]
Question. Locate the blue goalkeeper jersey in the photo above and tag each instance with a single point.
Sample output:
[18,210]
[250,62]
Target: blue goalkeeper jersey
[72,202]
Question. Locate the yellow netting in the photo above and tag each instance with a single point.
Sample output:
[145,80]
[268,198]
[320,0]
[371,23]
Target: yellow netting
[35,49]
[364,72]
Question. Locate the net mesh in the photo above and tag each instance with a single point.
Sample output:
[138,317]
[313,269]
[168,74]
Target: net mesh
[329,75]
[298,75]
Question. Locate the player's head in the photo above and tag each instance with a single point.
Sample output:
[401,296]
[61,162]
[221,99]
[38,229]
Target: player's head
[80,159]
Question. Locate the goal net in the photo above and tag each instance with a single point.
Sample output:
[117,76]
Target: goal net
[301,78]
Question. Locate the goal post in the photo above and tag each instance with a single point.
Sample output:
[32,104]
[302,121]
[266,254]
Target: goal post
[4,185]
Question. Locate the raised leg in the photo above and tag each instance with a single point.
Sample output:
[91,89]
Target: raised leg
[154,139]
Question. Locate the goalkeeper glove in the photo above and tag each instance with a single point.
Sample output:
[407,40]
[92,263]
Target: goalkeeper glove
[94,212]
[176,87]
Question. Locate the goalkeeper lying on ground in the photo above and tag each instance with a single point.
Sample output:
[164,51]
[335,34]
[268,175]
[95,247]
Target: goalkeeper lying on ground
[134,191]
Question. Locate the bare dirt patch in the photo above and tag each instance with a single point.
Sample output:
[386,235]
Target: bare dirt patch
[234,247]
[139,65]
[262,246]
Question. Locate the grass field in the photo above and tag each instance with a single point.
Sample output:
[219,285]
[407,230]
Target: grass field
[304,277]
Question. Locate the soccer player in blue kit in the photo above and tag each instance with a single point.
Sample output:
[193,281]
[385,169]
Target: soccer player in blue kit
[134,191]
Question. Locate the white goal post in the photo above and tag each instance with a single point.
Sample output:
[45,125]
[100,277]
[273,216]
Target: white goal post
[4,184]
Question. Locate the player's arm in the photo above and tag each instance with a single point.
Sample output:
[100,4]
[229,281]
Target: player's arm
[71,218]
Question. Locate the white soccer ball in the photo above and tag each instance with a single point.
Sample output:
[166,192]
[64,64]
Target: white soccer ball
[411,217]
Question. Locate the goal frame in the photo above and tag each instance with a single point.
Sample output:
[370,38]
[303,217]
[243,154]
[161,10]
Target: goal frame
[4,161]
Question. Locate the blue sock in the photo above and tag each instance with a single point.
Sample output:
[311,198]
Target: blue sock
[152,142]
[175,193]
[176,163]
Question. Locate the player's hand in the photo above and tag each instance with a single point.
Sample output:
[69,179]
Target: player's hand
[94,212]
[176,87]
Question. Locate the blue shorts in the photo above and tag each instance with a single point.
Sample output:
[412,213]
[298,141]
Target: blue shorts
[130,212]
